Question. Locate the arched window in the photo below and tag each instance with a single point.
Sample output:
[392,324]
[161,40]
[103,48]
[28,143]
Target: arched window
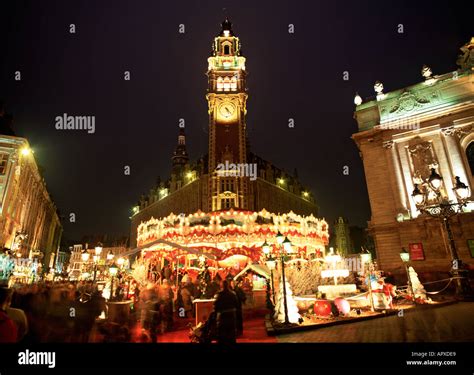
[227,50]
[470,156]
[226,84]
[220,84]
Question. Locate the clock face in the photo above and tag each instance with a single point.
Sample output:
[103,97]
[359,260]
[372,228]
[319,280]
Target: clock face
[227,110]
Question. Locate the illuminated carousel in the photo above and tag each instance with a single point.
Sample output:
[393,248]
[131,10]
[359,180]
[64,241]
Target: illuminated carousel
[230,238]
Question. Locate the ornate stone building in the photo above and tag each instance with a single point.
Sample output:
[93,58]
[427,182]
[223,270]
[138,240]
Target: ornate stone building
[229,175]
[29,222]
[404,136]
[342,236]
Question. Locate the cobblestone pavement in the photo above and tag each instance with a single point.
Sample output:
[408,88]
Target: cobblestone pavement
[441,324]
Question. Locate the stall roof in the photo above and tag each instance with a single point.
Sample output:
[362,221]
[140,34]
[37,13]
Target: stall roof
[259,269]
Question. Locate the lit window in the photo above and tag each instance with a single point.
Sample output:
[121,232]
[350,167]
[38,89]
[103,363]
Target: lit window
[220,84]
[3,164]
[226,84]
[233,84]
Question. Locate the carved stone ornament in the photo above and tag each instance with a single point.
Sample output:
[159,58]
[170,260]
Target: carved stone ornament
[387,144]
[409,101]
[423,159]
[460,133]
[449,131]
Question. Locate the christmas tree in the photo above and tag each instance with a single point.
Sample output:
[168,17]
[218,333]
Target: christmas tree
[417,287]
[293,315]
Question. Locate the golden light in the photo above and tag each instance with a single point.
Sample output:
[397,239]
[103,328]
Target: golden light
[435,179]
[266,248]
[461,189]
[120,261]
[287,245]
[85,256]
[305,194]
[418,196]
[98,250]
[281,181]
[25,151]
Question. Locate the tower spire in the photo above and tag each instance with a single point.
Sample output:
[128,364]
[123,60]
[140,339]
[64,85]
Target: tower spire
[180,156]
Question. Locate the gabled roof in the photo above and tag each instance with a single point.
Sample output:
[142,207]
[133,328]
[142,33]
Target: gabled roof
[259,269]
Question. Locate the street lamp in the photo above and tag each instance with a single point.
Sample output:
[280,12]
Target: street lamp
[85,256]
[405,257]
[443,210]
[285,247]
[113,269]
[98,249]
[270,261]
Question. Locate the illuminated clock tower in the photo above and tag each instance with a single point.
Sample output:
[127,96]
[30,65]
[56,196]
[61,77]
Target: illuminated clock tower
[227,99]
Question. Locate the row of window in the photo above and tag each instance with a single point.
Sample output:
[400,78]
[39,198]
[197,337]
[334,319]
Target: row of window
[227,185]
[226,84]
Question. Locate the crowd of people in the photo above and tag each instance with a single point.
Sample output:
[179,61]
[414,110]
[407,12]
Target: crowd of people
[49,312]
[66,311]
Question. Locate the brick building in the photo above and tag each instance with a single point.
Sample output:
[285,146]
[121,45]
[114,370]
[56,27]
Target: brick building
[209,184]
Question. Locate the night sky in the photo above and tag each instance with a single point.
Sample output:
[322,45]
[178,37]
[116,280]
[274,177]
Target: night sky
[296,76]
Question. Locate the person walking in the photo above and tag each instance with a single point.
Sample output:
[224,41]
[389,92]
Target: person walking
[226,306]
[241,297]
[8,329]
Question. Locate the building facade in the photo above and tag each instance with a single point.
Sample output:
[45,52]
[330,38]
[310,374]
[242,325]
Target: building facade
[29,222]
[229,175]
[403,137]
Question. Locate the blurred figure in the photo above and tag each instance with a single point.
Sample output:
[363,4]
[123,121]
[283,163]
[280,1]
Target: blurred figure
[166,297]
[8,329]
[226,306]
[241,297]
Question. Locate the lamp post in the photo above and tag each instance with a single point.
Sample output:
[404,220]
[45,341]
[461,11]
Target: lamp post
[444,210]
[284,246]
[366,259]
[113,269]
[405,257]
[271,264]
[96,258]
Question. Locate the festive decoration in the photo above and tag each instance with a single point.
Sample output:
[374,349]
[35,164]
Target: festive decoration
[335,268]
[222,234]
[140,272]
[419,291]
[322,308]
[342,306]
[293,315]
[304,276]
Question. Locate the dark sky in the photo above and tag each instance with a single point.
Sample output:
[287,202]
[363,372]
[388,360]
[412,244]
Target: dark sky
[291,76]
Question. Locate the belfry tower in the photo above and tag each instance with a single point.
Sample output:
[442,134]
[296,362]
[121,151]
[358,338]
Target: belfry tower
[227,99]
